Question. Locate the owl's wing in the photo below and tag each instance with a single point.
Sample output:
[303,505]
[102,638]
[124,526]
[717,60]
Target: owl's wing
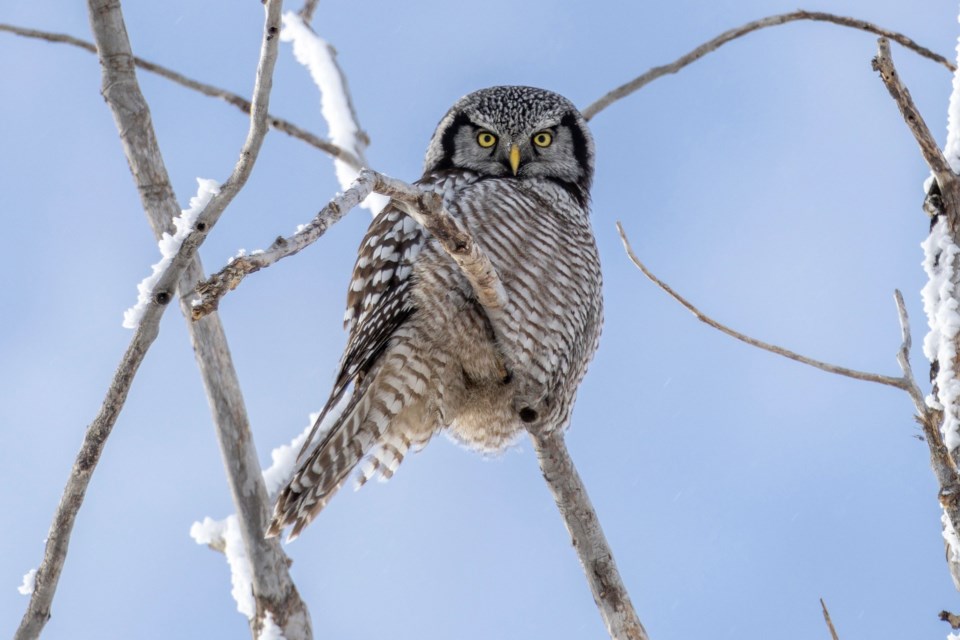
[378,301]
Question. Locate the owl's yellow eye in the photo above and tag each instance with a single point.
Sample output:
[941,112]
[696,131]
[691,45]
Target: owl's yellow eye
[486,139]
[542,139]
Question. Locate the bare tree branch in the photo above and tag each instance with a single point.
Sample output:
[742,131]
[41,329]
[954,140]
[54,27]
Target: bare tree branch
[946,178]
[826,617]
[424,206]
[771,21]
[284,126]
[899,383]
[306,12]
[903,357]
[132,115]
[587,537]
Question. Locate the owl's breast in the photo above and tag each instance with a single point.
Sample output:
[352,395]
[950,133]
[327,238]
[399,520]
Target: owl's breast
[541,243]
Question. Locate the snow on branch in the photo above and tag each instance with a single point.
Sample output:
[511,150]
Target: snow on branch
[169,246]
[319,57]
[771,21]
[940,304]
[29,583]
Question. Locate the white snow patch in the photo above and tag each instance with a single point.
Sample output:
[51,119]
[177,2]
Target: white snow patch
[227,533]
[316,55]
[941,264]
[270,629]
[284,460]
[952,149]
[29,583]
[950,535]
[169,246]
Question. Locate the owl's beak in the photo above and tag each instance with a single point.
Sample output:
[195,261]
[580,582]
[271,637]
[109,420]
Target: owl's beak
[514,158]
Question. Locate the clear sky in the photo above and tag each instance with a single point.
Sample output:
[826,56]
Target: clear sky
[773,183]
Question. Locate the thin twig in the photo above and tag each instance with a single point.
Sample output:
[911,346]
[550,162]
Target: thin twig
[423,206]
[306,12]
[587,537]
[950,618]
[131,113]
[903,356]
[899,383]
[284,126]
[725,37]
[826,616]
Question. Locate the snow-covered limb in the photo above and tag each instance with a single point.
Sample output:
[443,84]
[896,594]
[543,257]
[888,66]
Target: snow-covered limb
[319,57]
[771,21]
[941,296]
[169,246]
[943,315]
[424,206]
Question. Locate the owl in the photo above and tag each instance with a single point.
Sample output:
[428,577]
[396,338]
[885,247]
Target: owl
[514,165]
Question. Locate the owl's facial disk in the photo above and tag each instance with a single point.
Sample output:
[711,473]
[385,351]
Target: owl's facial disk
[515,132]
[547,150]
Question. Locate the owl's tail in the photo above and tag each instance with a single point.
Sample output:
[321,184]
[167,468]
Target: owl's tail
[362,431]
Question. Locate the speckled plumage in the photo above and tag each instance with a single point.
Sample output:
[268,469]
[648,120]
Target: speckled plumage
[422,355]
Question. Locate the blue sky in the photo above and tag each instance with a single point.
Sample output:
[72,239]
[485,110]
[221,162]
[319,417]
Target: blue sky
[773,183]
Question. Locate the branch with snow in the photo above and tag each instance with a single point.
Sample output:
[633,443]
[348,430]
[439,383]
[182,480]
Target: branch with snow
[130,111]
[320,59]
[277,123]
[940,419]
[710,46]
[169,247]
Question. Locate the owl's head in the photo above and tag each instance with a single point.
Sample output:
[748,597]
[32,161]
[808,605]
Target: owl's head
[516,132]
